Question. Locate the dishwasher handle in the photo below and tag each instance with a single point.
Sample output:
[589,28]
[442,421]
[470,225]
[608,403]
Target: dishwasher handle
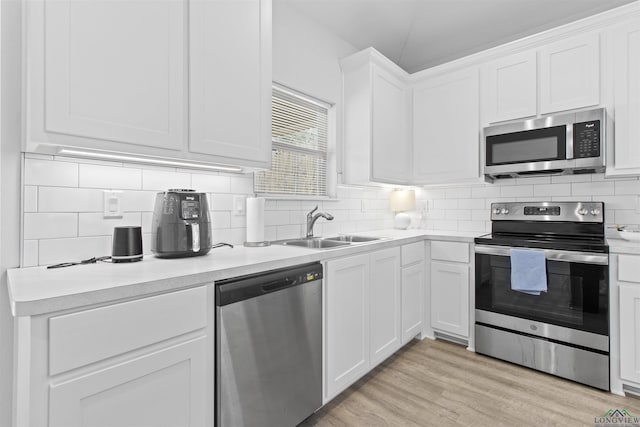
[238,289]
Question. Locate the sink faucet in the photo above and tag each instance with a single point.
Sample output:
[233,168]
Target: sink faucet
[311,220]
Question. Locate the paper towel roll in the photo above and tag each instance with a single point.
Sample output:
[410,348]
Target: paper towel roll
[255,219]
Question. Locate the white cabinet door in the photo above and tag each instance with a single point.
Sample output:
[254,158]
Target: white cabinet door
[626,61]
[570,74]
[412,300]
[450,298]
[165,388]
[446,127]
[230,80]
[347,322]
[385,287]
[112,71]
[511,87]
[389,139]
[630,333]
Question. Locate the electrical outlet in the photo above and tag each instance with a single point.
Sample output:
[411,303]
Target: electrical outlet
[239,205]
[112,206]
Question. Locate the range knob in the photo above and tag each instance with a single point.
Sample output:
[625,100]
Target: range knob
[594,211]
[583,211]
[496,211]
[504,211]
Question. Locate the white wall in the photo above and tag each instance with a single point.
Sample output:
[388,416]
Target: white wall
[10,25]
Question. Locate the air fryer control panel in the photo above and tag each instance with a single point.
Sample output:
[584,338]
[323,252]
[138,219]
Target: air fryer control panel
[190,208]
[586,139]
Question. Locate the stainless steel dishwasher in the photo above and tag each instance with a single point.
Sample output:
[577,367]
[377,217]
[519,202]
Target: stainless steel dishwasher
[269,347]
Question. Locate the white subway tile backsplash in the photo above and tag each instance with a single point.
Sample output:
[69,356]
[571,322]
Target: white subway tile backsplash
[52,251]
[458,193]
[241,184]
[550,190]
[30,201]
[211,183]
[62,223]
[50,225]
[138,201]
[161,180]
[61,199]
[627,187]
[93,224]
[147,222]
[593,189]
[30,253]
[46,172]
[627,217]
[564,179]
[220,220]
[109,177]
[516,191]
[486,191]
[445,204]
[221,202]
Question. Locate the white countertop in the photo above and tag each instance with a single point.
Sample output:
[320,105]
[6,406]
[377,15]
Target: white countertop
[619,246]
[39,290]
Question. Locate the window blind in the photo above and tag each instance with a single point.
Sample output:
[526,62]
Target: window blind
[299,150]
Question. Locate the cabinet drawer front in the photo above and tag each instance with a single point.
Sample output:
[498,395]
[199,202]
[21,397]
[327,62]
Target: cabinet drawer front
[628,268]
[412,253]
[82,338]
[450,251]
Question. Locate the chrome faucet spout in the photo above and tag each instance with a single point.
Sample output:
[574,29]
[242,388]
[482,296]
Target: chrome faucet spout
[311,220]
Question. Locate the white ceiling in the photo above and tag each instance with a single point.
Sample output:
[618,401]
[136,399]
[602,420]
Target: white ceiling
[418,34]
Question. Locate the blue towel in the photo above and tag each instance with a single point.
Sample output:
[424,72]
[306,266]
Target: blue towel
[528,271]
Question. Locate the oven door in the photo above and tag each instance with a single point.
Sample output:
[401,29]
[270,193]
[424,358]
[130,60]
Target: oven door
[575,305]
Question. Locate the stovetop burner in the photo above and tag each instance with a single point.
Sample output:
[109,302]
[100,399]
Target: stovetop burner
[545,242]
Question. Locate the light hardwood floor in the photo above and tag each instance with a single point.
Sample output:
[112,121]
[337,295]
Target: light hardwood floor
[437,383]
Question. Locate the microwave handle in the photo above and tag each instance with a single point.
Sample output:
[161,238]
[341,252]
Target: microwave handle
[549,254]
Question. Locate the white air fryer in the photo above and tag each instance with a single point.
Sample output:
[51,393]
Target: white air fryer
[181,224]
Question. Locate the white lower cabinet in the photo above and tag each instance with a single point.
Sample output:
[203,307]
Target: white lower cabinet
[626,281]
[142,362]
[347,322]
[386,332]
[413,290]
[450,288]
[362,315]
[164,388]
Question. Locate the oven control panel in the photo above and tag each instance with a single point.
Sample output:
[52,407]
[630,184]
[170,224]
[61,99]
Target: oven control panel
[548,211]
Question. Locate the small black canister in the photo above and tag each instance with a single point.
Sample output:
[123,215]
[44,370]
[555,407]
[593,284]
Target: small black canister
[127,244]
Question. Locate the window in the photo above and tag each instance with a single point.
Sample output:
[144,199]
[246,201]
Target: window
[299,154]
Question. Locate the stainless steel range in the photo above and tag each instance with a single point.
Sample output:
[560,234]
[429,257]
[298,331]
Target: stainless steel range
[561,326]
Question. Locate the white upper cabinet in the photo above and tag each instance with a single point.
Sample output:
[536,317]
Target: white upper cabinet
[169,78]
[446,126]
[625,158]
[230,79]
[103,73]
[376,116]
[510,87]
[570,74]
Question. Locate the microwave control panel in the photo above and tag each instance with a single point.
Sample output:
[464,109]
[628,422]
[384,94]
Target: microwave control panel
[586,139]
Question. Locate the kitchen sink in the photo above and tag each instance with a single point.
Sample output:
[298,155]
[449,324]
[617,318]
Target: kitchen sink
[352,239]
[314,243]
[326,242]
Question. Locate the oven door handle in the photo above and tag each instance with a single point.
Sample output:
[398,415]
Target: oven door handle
[549,254]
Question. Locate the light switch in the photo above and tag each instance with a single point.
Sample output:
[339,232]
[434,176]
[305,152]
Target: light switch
[239,203]
[112,207]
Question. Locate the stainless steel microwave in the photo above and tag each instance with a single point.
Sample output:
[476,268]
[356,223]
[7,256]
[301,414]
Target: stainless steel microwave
[561,144]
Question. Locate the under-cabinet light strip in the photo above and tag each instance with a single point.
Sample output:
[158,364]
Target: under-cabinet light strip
[146,160]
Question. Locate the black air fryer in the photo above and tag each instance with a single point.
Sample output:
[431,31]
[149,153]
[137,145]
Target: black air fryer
[181,224]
